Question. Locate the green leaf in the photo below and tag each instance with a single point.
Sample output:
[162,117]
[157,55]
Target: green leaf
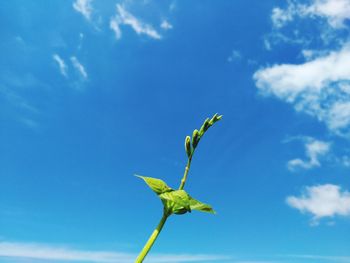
[176,202]
[179,202]
[158,186]
[197,205]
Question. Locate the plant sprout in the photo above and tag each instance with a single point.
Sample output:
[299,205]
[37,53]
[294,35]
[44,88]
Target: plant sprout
[178,201]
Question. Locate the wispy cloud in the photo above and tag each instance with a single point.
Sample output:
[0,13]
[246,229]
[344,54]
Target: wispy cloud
[47,252]
[314,150]
[114,25]
[61,64]
[23,108]
[319,87]
[29,123]
[37,251]
[123,17]
[234,56]
[280,17]
[321,201]
[10,94]
[256,261]
[84,7]
[79,67]
[328,18]
[336,12]
[166,25]
[339,259]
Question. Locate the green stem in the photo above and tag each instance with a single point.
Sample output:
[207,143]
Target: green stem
[156,232]
[151,239]
[187,168]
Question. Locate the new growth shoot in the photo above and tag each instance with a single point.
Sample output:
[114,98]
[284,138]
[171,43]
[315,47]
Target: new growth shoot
[177,201]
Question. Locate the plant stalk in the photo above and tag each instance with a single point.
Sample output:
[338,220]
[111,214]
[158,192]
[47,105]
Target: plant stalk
[156,232]
[190,151]
[187,168]
[151,239]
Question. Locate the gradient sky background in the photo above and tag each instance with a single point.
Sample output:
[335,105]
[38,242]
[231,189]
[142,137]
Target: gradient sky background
[92,92]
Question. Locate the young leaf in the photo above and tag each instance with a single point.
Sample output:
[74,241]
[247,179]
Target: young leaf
[158,186]
[197,205]
[176,202]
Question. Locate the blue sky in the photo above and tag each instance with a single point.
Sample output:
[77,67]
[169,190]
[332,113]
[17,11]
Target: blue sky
[92,92]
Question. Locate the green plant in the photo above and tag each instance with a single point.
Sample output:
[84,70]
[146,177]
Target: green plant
[177,201]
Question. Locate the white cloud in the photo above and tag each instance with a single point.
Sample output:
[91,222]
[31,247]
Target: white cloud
[327,17]
[308,54]
[339,115]
[256,261]
[79,67]
[166,25]
[61,64]
[323,258]
[311,54]
[114,25]
[322,201]
[187,258]
[36,251]
[123,17]
[84,7]
[314,150]
[336,12]
[281,17]
[47,252]
[276,37]
[319,87]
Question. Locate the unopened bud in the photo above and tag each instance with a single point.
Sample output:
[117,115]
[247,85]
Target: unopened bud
[204,127]
[212,120]
[195,138]
[215,118]
[188,146]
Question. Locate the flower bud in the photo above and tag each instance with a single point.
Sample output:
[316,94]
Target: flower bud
[212,120]
[188,146]
[204,127]
[215,118]
[195,138]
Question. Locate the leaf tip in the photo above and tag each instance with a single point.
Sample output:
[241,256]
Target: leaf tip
[139,176]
